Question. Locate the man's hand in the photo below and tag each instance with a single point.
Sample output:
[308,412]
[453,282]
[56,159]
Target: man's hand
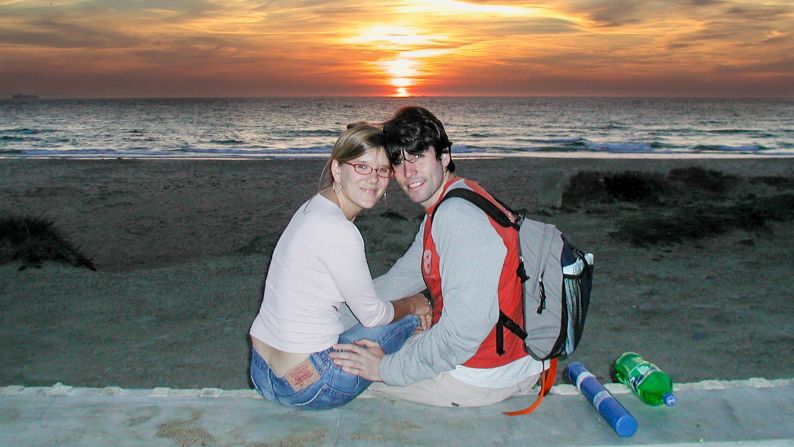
[361,358]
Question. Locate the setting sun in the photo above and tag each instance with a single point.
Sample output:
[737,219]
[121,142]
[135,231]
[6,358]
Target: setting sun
[403,72]
[401,67]
[405,47]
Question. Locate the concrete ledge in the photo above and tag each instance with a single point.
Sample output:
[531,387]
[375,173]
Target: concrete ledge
[617,389]
[719,413]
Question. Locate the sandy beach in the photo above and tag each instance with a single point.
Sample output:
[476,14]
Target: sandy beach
[181,249]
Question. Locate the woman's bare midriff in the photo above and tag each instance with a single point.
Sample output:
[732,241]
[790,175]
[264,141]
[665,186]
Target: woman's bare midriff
[278,361]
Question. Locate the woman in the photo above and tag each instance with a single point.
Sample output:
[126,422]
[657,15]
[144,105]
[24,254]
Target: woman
[318,264]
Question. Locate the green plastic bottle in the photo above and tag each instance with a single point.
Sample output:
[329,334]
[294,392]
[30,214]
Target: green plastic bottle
[645,379]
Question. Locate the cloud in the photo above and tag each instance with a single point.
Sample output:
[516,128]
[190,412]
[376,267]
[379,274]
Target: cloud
[764,13]
[775,37]
[203,50]
[54,34]
[173,9]
[706,3]
[678,45]
[617,12]
[784,66]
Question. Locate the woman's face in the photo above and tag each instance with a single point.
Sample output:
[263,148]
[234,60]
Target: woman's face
[361,191]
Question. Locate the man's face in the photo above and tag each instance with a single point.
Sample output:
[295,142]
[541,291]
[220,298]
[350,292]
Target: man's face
[422,176]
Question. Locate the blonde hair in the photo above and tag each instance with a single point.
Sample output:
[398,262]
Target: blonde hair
[352,143]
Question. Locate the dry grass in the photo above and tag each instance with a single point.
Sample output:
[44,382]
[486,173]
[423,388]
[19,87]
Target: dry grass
[33,241]
[685,205]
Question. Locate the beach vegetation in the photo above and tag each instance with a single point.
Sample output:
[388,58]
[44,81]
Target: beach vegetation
[608,187]
[779,182]
[33,241]
[704,220]
[709,180]
[636,187]
[687,204]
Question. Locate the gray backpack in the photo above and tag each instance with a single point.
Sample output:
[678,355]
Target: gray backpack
[557,279]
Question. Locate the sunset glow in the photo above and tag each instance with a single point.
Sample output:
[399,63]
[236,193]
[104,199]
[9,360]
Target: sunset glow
[97,48]
[402,71]
[457,8]
[393,37]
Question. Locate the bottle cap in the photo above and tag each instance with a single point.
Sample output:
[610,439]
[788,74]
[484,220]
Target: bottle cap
[669,399]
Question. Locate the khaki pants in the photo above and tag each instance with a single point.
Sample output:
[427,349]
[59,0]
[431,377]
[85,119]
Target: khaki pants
[446,391]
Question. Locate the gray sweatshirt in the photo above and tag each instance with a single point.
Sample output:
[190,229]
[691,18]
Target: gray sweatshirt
[471,255]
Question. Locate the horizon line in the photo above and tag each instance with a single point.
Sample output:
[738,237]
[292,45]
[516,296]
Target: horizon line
[10,98]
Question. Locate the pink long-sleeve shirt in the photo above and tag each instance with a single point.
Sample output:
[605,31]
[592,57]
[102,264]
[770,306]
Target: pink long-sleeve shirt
[318,263]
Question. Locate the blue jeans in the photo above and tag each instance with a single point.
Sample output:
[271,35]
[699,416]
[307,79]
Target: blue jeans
[335,387]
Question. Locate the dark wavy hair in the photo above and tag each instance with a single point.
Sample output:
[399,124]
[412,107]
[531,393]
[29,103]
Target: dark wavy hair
[413,130]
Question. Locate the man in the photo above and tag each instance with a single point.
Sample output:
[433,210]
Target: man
[469,265]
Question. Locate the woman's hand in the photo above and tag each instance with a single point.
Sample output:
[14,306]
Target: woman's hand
[423,309]
[414,305]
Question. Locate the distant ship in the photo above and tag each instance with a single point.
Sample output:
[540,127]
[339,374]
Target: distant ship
[24,96]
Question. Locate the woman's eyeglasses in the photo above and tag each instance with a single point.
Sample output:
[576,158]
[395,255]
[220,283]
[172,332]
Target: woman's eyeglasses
[365,169]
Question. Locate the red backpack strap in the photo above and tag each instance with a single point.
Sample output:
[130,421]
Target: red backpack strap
[547,378]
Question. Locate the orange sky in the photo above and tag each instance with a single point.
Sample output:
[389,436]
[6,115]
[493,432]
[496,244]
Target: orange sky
[148,48]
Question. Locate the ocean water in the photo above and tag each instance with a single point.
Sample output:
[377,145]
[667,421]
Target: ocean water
[306,127]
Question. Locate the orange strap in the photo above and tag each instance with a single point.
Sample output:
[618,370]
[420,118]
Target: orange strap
[547,378]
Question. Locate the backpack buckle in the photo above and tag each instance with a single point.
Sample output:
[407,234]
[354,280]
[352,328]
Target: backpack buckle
[521,271]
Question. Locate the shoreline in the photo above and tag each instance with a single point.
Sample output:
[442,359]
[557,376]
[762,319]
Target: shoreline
[182,248]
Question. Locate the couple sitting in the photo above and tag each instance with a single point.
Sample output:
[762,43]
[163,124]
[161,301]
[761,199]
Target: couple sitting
[444,354]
